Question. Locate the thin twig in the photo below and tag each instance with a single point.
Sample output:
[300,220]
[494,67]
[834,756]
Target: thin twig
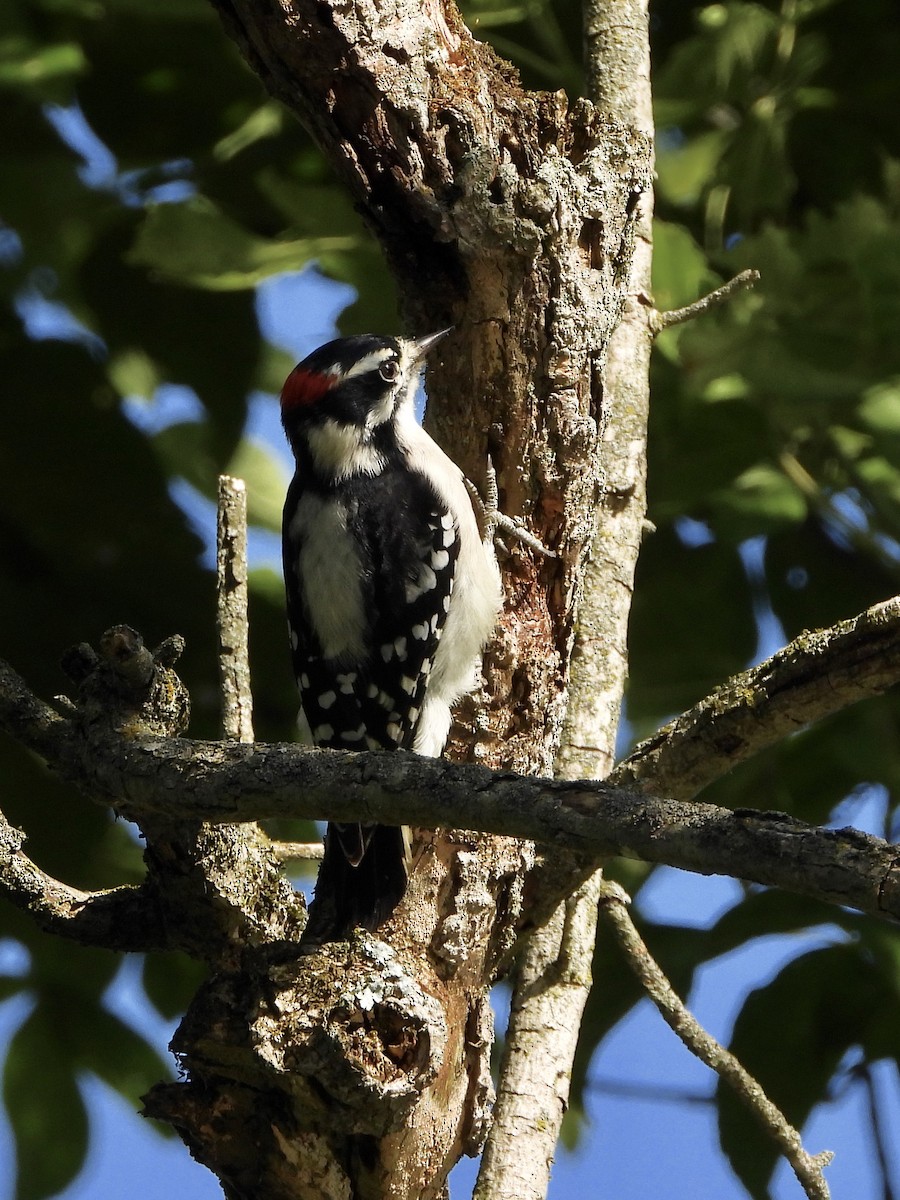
[295,851]
[807,1167]
[677,316]
[231,578]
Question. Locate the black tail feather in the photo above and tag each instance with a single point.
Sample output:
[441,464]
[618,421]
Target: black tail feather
[363,893]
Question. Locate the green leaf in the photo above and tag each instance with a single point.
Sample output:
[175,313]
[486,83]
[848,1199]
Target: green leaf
[11,985]
[195,244]
[811,773]
[170,981]
[133,373]
[45,1108]
[681,647]
[687,169]
[113,1051]
[267,482]
[260,125]
[760,500]
[680,951]
[140,95]
[136,309]
[879,409]
[47,71]
[815,580]
[184,449]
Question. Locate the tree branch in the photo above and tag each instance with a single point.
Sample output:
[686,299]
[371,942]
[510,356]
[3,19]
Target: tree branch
[553,971]
[807,1167]
[677,316]
[552,983]
[123,918]
[815,675]
[230,782]
[231,610]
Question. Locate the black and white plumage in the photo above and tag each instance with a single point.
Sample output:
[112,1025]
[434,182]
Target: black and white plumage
[391,593]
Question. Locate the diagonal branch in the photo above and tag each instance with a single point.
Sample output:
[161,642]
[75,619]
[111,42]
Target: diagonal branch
[553,970]
[123,918]
[807,1167]
[812,677]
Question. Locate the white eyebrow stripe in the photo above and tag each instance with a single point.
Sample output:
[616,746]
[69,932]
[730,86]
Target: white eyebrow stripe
[371,362]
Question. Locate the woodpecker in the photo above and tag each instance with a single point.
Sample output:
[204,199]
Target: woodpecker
[391,593]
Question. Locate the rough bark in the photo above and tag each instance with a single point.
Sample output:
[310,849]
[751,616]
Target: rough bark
[360,1069]
[510,215]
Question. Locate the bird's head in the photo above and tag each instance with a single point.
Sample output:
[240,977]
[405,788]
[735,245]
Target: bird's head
[340,405]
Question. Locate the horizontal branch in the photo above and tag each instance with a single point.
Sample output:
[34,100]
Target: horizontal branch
[220,782]
[815,675]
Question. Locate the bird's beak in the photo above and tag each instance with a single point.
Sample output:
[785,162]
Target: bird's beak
[423,345]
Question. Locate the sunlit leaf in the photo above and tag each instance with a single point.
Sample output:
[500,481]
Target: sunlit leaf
[687,167]
[879,409]
[760,500]
[25,65]
[267,483]
[192,243]
[681,272]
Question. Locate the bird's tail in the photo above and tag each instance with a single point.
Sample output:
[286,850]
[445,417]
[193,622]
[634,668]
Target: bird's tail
[361,881]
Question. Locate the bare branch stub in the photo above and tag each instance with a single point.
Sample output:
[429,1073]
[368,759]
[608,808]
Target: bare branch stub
[231,610]
[720,295]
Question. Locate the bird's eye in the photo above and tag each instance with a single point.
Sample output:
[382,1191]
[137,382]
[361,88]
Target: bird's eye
[389,370]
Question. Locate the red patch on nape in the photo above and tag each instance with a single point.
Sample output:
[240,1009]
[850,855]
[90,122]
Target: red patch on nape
[303,387]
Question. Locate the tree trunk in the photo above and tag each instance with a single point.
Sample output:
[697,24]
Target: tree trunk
[361,1069]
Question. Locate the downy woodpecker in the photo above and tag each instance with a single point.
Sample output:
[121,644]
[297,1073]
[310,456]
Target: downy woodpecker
[391,594]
